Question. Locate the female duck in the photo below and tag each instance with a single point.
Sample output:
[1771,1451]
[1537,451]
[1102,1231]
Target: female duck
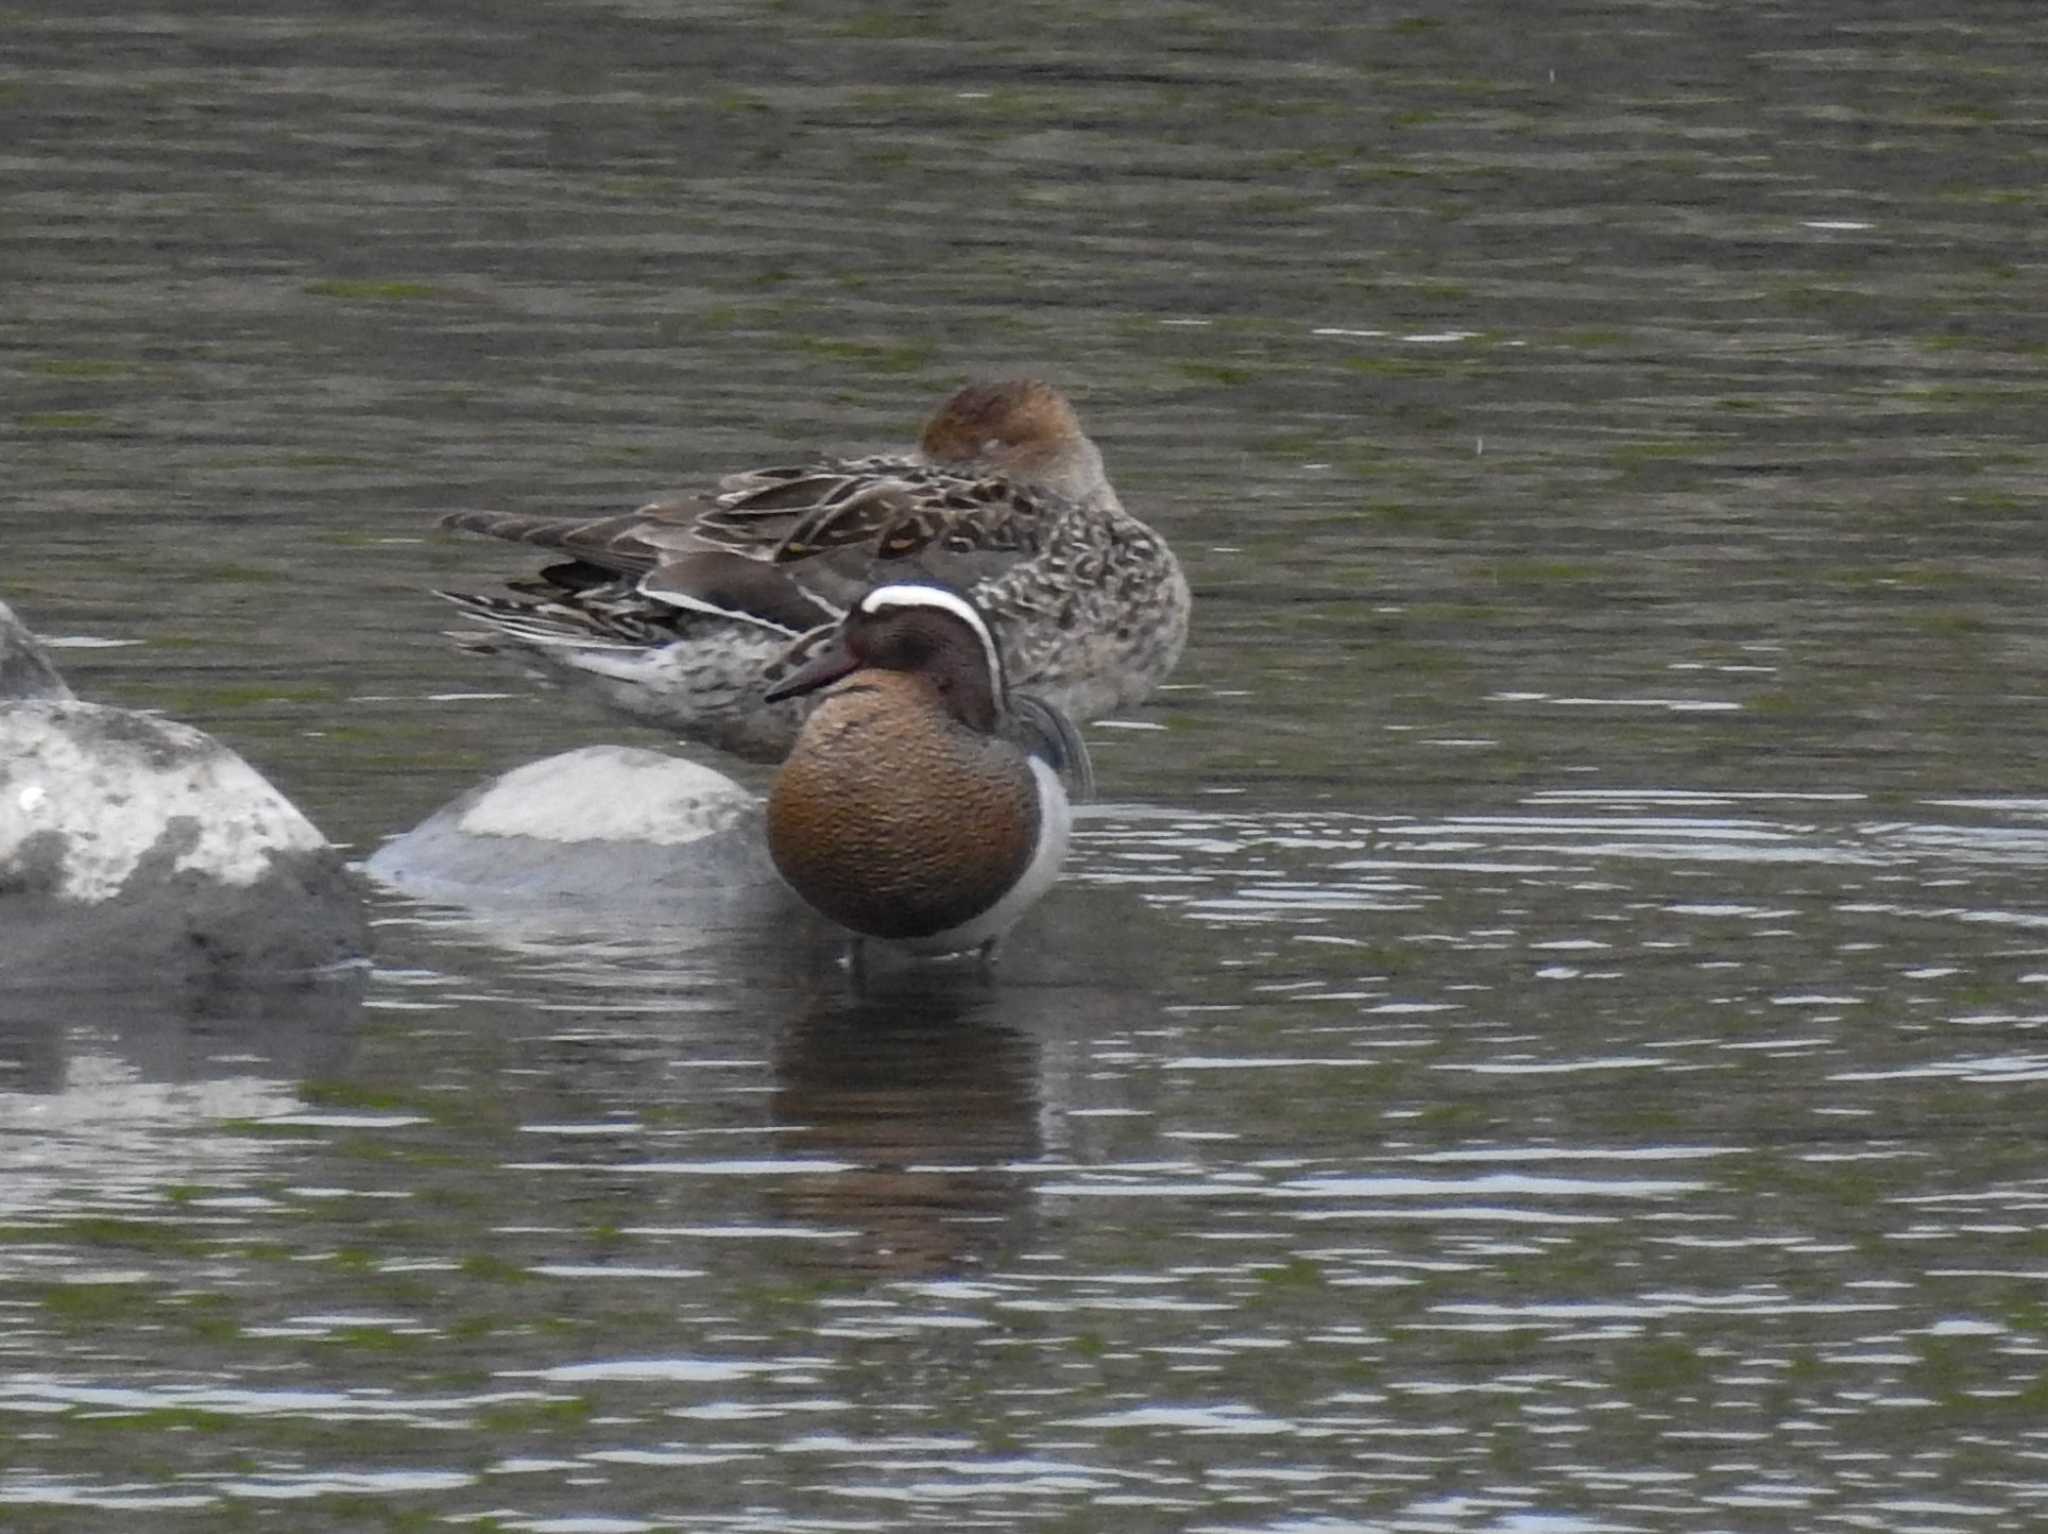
[678,613]
[907,809]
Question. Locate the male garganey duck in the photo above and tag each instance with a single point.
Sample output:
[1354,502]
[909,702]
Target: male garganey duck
[922,803]
[683,614]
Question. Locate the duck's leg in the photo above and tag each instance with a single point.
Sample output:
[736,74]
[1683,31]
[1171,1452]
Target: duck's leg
[986,958]
[857,962]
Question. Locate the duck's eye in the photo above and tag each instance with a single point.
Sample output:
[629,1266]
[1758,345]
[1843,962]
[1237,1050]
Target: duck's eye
[913,647]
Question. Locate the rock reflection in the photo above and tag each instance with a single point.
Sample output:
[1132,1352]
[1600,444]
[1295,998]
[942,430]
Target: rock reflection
[285,1033]
[119,1092]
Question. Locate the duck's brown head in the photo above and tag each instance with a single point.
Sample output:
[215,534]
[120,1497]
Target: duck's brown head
[1022,427]
[929,631]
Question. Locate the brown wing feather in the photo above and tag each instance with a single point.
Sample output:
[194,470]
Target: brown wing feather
[610,543]
[849,524]
[852,522]
[747,590]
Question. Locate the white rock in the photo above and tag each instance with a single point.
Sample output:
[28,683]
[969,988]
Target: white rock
[609,794]
[114,788]
[651,835]
[133,846]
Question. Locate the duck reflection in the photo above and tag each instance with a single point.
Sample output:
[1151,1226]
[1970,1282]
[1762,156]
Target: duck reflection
[938,1095]
[927,1084]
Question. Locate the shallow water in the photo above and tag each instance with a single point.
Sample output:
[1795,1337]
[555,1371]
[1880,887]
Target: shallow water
[1545,1032]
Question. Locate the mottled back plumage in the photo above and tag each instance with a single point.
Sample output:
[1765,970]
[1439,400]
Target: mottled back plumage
[682,613]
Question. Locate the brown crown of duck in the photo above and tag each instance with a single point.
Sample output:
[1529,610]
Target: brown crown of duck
[899,813]
[1026,428]
[998,466]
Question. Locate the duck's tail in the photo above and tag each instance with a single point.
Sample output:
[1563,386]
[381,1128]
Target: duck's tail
[531,625]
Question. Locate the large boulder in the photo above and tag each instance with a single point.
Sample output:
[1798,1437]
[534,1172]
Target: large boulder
[132,847]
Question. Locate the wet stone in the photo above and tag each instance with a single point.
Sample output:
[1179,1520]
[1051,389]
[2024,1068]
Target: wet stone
[137,846]
[603,824]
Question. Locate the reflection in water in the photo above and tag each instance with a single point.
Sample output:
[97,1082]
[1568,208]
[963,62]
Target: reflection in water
[905,1118]
[758,938]
[927,1089]
[1281,1138]
[122,1095]
[283,1033]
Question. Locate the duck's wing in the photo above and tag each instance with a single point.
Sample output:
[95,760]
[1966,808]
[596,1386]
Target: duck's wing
[1046,732]
[727,585]
[842,527]
[983,538]
[786,548]
[758,512]
[612,544]
[893,507]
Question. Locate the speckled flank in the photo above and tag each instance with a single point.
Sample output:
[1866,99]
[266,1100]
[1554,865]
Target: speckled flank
[1096,624]
[1056,822]
[893,819]
[717,687]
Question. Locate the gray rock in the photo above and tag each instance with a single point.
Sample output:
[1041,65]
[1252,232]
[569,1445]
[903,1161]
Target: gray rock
[132,847]
[601,827]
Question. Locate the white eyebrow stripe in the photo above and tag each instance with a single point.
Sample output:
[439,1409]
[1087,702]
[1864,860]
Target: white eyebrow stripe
[882,598]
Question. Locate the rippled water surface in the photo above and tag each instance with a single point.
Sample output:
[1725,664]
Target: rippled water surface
[1547,1030]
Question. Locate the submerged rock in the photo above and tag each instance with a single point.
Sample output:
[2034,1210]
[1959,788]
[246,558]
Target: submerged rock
[133,846]
[600,826]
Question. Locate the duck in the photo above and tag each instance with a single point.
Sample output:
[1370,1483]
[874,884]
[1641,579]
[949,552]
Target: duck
[923,804]
[687,613]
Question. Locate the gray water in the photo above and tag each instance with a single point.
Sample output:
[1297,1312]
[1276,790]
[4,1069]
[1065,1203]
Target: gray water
[1546,1032]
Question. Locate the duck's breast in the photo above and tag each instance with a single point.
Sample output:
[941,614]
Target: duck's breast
[896,821]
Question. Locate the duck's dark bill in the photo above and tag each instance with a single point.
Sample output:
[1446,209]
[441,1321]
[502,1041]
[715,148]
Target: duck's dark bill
[827,666]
